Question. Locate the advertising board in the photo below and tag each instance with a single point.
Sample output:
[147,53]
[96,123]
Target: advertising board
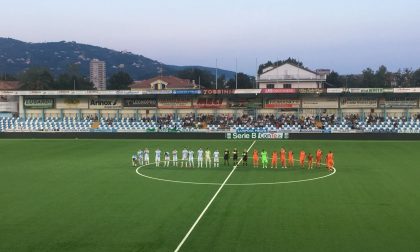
[398,102]
[282,103]
[358,102]
[105,103]
[210,102]
[176,103]
[321,102]
[266,136]
[72,103]
[38,103]
[140,103]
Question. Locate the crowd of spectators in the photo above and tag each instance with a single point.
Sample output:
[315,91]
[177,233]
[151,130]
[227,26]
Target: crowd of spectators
[228,121]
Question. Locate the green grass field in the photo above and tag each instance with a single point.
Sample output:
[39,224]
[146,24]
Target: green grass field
[83,195]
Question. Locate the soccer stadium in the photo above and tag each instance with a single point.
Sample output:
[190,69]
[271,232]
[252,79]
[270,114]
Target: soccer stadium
[219,126]
[263,169]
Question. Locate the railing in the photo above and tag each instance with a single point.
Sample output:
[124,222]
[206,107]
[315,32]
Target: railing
[289,78]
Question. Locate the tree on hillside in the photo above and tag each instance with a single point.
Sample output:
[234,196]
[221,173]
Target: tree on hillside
[381,77]
[369,78]
[244,81]
[334,79]
[119,81]
[204,78]
[416,78]
[8,77]
[37,79]
[221,82]
[69,82]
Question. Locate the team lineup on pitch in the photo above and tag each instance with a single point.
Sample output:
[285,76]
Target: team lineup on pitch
[141,161]
[142,158]
[189,155]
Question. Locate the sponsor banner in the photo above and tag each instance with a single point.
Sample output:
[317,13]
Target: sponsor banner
[367,90]
[358,102]
[335,90]
[406,90]
[38,103]
[72,103]
[278,91]
[210,102]
[252,130]
[140,103]
[282,103]
[398,102]
[105,103]
[311,90]
[186,92]
[75,130]
[9,107]
[320,102]
[157,91]
[176,103]
[267,135]
[6,93]
[247,91]
[218,91]
[245,103]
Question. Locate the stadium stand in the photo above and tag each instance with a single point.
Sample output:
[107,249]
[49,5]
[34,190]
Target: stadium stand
[269,123]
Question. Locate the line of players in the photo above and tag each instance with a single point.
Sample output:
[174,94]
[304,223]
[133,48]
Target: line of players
[143,158]
[329,159]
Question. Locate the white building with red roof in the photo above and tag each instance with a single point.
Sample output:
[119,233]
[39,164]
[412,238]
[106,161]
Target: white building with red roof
[163,82]
[291,76]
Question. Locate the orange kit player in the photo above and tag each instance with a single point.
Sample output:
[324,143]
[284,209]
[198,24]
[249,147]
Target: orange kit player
[291,160]
[302,156]
[283,157]
[255,158]
[330,161]
[318,157]
[274,160]
[310,160]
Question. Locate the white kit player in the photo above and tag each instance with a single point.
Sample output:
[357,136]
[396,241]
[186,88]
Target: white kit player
[157,157]
[175,158]
[134,160]
[191,158]
[140,157]
[200,153]
[184,158]
[207,156]
[167,158]
[216,158]
[146,156]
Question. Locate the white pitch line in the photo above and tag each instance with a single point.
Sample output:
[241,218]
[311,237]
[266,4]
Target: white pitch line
[208,205]
[228,184]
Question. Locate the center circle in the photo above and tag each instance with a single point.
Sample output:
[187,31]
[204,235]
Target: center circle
[138,171]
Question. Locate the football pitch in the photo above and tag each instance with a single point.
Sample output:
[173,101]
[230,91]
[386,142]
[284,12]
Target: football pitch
[84,195]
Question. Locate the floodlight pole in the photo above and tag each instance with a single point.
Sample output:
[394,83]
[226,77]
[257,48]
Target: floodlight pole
[236,73]
[216,73]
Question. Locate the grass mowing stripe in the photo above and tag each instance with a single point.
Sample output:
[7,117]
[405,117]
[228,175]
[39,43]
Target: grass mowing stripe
[209,204]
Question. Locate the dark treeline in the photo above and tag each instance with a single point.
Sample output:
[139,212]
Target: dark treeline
[36,78]
[380,78]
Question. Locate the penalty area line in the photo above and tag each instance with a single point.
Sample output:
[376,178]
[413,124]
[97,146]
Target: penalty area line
[209,204]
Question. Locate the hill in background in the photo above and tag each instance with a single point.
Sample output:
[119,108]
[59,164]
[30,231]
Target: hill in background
[17,56]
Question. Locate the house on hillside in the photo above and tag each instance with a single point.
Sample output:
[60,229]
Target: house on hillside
[10,85]
[292,76]
[162,83]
